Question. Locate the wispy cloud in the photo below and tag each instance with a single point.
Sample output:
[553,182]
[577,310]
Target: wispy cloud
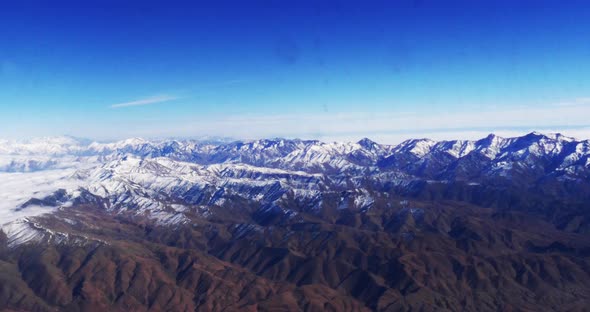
[146,101]
[166,98]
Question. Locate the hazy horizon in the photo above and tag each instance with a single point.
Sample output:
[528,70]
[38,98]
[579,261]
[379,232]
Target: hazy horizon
[472,136]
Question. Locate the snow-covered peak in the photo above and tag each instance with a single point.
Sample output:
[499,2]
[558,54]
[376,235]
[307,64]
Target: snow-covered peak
[42,146]
[456,149]
[417,147]
[550,135]
[368,144]
[128,144]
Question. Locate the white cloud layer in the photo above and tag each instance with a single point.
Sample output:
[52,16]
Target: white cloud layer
[18,188]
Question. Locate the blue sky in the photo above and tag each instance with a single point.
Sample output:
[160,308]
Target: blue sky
[333,70]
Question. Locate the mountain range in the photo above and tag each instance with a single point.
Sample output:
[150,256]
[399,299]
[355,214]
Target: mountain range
[290,225]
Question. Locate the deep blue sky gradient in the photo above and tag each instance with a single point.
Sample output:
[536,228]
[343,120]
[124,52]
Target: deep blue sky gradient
[64,64]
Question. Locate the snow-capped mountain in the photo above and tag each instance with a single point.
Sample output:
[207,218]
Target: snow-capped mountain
[165,180]
[103,220]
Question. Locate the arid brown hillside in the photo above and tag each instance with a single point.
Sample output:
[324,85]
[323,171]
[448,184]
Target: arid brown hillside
[425,256]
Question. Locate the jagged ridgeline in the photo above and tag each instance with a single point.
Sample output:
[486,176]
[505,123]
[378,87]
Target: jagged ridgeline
[183,225]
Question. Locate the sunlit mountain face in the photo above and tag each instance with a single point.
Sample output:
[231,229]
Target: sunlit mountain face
[295,225]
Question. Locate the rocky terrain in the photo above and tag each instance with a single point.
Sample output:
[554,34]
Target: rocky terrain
[290,225]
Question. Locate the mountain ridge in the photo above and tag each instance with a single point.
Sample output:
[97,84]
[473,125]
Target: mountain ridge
[419,225]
